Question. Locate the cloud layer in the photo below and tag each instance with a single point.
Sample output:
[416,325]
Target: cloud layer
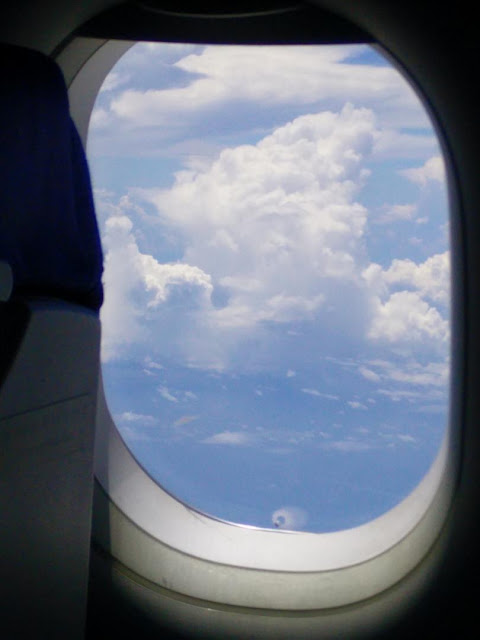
[200,89]
[271,234]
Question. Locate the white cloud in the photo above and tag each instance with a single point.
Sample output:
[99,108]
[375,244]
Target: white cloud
[130,416]
[431,278]
[276,235]
[147,117]
[121,323]
[432,170]
[296,75]
[151,364]
[135,283]
[354,404]
[319,394]
[368,374]
[113,81]
[396,212]
[405,316]
[411,372]
[405,437]
[184,420]
[404,378]
[99,119]
[162,278]
[228,437]
[166,394]
[401,394]
[273,224]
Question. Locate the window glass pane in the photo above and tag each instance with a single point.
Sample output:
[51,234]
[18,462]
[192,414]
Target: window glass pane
[276,321]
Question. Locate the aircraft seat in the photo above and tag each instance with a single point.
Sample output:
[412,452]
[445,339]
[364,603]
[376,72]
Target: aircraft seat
[50,294]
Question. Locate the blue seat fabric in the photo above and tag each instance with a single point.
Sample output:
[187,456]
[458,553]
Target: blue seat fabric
[48,228]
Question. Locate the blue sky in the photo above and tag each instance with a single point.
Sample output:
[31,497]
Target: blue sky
[276,320]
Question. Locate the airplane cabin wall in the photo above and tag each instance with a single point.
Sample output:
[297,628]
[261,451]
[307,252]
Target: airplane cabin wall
[440,49]
[45,24]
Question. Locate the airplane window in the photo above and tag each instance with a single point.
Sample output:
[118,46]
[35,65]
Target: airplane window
[276,324]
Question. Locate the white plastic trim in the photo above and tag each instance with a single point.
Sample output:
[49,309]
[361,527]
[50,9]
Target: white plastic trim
[172,545]
[167,519]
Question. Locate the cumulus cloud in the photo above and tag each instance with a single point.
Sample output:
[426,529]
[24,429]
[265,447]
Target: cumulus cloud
[406,295]
[405,316]
[269,227]
[432,171]
[272,233]
[274,223]
[430,278]
[135,283]
[121,322]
